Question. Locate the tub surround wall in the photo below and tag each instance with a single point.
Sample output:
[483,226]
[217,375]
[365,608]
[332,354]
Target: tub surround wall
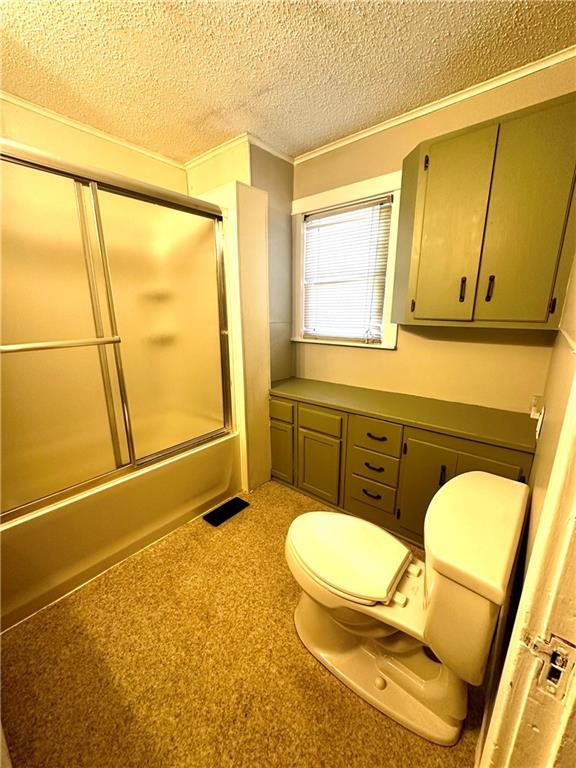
[497,369]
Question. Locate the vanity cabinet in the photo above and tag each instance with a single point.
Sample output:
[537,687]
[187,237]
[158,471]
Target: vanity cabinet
[429,460]
[382,456]
[282,439]
[372,468]
[319,452]
[482,221]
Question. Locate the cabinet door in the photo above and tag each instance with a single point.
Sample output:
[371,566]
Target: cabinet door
[530,193]
[319,465]
[423,470]
[458,184]
[282,444]
[469,463]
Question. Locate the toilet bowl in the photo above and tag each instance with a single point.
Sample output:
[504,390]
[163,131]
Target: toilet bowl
[404,634]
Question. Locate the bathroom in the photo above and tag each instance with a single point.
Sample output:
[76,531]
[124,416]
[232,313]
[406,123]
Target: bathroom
[140,392]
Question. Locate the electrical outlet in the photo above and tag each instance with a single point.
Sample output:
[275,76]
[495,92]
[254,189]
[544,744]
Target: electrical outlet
[536,406]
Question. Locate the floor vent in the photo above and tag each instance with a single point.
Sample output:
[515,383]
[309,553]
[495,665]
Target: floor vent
[225,511]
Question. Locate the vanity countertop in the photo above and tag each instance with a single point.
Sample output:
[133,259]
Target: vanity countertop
[508,429]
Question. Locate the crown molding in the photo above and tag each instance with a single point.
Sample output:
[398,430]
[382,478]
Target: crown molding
[255,141]
[467,93]
[31,107]
[243,138]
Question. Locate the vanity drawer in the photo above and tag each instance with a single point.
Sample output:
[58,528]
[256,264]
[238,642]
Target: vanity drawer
[374,466]
[282,410]
[375,435]
[320,420]
[375,494]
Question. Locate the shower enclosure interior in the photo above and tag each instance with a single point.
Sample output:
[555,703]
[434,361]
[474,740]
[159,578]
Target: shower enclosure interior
[114,338]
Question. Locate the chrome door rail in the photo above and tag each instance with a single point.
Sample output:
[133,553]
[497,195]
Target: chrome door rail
[60,344]
[25,155]
[98,323]
[112,317]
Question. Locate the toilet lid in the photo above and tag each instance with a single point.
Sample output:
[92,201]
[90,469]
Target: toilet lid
[349,554]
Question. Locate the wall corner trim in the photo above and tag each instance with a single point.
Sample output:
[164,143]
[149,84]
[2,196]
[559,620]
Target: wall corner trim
[466,93]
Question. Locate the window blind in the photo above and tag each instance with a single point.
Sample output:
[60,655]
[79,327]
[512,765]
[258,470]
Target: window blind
[345,259]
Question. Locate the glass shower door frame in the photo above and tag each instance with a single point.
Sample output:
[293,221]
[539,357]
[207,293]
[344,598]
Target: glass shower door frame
[94,182]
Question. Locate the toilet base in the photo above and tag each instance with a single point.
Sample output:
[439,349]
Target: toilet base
[420,694]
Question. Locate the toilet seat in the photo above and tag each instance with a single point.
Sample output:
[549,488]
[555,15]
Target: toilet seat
[350,557]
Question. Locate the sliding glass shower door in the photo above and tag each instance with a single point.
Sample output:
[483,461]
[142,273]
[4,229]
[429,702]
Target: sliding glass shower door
[164,275]
[114,343]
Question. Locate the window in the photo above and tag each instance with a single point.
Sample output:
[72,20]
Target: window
[344,273]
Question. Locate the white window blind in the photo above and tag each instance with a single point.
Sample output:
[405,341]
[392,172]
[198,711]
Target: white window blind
[345,259]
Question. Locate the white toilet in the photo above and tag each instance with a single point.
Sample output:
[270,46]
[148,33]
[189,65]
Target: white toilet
[408,636]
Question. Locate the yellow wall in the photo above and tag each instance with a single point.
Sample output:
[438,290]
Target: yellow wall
[493,368]
[27,124]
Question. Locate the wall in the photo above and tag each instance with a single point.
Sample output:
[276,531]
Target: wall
[491,368]
[561,379]
[275,176]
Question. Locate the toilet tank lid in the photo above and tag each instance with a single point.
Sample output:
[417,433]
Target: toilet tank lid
[472,529]
[351,555]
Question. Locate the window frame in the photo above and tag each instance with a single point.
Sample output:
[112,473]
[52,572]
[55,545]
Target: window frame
[362,192]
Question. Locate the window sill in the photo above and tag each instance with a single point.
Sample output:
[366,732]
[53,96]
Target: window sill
[391,345]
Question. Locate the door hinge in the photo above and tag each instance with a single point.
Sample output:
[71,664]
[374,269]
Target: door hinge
[405,449]
[426,162]
[552,305]
[412,305]
[558,661]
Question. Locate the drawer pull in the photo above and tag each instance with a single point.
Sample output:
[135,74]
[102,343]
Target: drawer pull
[380,438]
[462,295]
[374,469]
[371,495]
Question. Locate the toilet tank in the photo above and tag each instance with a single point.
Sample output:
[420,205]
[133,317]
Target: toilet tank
[471,536]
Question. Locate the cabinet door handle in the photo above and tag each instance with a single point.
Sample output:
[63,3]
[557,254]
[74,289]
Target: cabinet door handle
[462,289]
[490,289]
[374,469]
[381,438]
[442,478]
[372,495]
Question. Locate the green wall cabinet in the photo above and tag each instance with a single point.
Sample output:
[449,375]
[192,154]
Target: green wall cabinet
[483,218]
[382,456]
[459,170]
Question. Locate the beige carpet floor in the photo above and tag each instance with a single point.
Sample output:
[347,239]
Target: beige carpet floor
[186,655]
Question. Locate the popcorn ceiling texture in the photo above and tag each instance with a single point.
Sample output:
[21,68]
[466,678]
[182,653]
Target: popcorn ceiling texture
[181,76]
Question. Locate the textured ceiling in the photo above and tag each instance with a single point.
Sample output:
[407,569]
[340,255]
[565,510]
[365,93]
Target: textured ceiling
[181,76]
